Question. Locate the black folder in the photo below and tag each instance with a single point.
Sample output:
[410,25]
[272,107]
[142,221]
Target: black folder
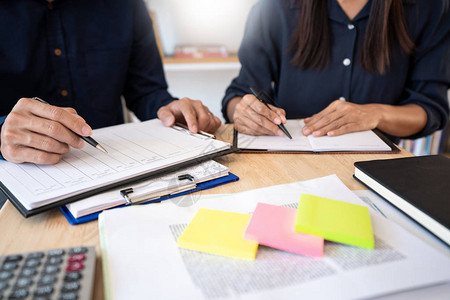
[418,186]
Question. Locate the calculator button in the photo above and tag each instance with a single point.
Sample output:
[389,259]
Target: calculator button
[3,286]
[27,272]
[31,263]
[78,250]
[73,276]
[69,296]
[9,266]
[77,258]
[54,260]
[19,294]
[17,257]
[43,290]
[48,279]
[56,252]
[71,286]
[35,255]
[75,266]
[23,282]
[50,269]
[5,275]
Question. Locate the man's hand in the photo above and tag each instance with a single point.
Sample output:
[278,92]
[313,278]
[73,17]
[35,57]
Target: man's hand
[41,133]
[343,117]
[250,116]
[191,112]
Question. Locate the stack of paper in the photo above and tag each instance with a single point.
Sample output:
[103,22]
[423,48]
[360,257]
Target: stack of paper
[141,258]
[153,188]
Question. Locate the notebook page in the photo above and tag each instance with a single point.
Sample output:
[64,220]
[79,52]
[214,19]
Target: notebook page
[133,149]
[299,142]
[354,141]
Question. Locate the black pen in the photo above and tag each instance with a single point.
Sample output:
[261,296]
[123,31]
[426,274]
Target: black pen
[87,139]
[264,99]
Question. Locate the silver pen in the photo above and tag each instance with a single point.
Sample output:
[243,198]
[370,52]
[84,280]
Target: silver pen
[87,139]
[183,127]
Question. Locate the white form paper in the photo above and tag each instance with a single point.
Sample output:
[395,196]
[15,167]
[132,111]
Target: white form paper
[385,209]
[142,260]
[355,141]
[202,172]
[133,149]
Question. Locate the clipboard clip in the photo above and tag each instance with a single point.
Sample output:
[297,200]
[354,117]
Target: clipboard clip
[200,134]
[158,189]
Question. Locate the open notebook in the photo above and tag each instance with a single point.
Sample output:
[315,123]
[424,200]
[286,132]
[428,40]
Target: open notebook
[363,141]
[201,176]
[136,151]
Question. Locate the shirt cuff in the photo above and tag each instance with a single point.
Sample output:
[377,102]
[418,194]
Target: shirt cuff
[2,120]
[225,101]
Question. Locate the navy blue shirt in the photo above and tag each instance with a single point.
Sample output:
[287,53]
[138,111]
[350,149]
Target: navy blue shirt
[422,78]
[81,53]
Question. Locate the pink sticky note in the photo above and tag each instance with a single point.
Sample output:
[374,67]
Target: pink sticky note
[273,226]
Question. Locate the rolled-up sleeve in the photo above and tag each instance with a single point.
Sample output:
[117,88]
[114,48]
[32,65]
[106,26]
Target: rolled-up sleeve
[257,55]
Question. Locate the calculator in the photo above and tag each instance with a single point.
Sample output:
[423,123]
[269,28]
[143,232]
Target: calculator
[63,274]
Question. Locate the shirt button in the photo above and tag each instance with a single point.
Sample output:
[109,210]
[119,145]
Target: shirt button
[342,98]
[64,93]
[350,26]
[57,52]
[346,62]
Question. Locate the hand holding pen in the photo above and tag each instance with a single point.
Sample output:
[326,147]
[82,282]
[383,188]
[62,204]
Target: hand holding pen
[40,133]
[266,100]
[252,116]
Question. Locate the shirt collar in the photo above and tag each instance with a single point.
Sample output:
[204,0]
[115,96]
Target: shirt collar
[336,13]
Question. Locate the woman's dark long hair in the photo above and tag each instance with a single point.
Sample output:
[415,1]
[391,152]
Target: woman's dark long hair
[386,30]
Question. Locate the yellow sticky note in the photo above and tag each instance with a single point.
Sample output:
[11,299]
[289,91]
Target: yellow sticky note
[335,221]
[218,232]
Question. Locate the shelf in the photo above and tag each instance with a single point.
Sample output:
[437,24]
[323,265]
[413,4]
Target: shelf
[201,64]
[173,60]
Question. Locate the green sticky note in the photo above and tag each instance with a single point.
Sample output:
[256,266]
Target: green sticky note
[218,232]
[335,221]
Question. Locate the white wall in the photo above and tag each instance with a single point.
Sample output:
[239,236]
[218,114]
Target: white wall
[206,82]
[200,22]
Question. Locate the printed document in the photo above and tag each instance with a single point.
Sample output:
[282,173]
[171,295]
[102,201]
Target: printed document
[133,149]
[141,258]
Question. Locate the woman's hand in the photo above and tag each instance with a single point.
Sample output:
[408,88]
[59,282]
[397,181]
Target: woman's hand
[250,116]
[342,117]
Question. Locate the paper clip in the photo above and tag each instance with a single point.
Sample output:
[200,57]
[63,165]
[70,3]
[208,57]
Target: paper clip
[200,134]
[158,189]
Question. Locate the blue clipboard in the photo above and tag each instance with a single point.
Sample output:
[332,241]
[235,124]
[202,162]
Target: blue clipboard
[201,186]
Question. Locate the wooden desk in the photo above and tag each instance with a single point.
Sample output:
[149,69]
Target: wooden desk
[51,230]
